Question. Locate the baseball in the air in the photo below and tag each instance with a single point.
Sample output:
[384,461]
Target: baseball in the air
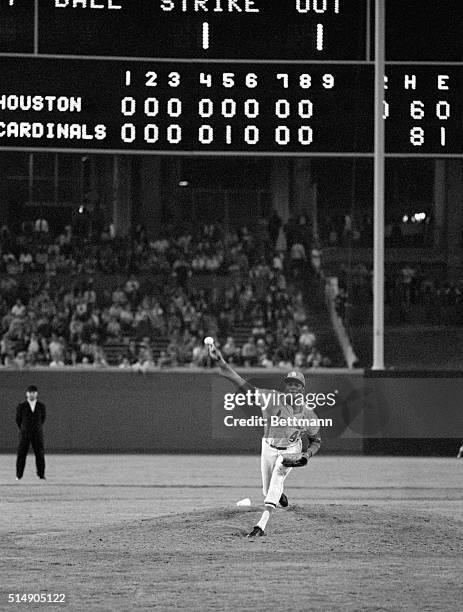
[208,340]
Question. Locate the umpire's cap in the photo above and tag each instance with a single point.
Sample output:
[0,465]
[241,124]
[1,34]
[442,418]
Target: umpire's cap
[295,375]
[31,388]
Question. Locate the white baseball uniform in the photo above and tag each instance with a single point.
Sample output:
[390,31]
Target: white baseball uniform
[282,437]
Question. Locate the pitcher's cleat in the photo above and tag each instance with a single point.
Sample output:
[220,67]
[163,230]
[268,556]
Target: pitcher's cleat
[256,532]
[283,501]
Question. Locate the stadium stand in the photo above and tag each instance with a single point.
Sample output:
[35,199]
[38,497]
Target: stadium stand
[76,299]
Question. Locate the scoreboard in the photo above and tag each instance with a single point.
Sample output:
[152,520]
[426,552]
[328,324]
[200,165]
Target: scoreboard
[187,106]
[238,77]
[227,29]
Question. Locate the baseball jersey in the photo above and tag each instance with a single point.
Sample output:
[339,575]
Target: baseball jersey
[285,423]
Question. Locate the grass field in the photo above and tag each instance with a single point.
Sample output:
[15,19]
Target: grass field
[143,532]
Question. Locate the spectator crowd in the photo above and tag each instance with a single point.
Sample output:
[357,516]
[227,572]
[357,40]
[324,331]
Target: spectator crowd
[93,300]
[412,295]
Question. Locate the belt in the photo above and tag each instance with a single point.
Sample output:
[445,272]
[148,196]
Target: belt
[277,447]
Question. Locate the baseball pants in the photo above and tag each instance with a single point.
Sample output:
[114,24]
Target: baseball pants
[273,472]
[25,440]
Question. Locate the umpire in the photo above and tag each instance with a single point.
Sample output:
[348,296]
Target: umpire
[30,417]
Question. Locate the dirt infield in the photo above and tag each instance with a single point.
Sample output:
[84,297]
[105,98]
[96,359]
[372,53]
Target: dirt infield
[158,532]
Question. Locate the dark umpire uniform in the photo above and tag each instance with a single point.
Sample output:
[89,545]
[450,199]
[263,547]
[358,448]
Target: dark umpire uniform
[30,417]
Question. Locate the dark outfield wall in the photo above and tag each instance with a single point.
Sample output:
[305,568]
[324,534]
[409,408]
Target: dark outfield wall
[183,411]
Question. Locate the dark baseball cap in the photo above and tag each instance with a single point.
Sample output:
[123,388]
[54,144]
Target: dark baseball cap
[31,388]
[297,376]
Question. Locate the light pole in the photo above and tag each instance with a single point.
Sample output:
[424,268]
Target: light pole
[378,235]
